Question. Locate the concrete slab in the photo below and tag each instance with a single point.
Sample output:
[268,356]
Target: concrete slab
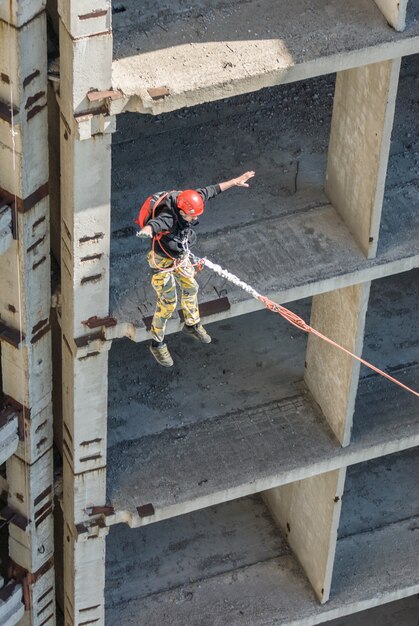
[202,52]
[176,552]
[306,247]
[371,568]
[184,469]
[402,612]
[251,361]
[380,492]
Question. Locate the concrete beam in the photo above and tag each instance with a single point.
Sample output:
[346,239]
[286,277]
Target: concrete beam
[25,299]
[17,14]
[31,496]
[82,492]
[83,20]
[85,66]
[308,513]
[84,592]
[24,68]
[394,11]
[85,394]
[330,374]
[363,112]
[255,45]
[34,392]
[85,232]
[39,595]
[85,158]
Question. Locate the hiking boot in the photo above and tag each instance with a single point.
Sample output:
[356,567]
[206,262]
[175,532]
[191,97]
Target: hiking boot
[161,354]
[198,332]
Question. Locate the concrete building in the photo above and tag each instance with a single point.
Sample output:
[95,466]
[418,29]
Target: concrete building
[266,478]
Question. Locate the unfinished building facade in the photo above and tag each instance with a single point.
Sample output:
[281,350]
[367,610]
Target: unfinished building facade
[266,478]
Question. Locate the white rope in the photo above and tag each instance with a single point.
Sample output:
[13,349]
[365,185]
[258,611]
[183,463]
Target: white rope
[232,278]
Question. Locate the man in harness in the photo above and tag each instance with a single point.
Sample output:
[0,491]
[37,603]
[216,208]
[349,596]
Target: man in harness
[168,220]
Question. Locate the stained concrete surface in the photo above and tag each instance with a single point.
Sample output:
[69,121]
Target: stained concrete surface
[401,613]
[370,568]
[280,235]
[380,492]
[201,51]
[251,361]
[179,551]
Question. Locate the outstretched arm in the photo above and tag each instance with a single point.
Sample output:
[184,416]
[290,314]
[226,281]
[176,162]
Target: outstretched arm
[240,181]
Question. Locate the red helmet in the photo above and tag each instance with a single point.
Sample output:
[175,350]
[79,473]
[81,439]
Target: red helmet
[190,202]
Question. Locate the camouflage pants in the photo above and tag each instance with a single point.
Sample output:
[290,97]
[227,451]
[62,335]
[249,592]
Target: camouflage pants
[164,284]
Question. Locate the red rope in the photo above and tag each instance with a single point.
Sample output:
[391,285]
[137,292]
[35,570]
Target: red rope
[298,322]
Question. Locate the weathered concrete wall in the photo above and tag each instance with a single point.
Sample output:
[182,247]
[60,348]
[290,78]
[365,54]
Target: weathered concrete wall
[85,56]
[331,375]
[362,119]
[25,300]
[308,512]
[394,11]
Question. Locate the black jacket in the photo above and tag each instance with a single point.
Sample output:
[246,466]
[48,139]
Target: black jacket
[181,233]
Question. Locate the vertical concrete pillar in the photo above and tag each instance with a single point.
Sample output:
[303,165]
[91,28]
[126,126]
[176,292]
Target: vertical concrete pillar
[330,374]
[394,11]
[308,512]
[85,140]
[25,300]
[363,112]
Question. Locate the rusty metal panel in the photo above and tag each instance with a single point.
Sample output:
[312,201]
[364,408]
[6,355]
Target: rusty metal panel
[146,510]
[157,93]
[210,308]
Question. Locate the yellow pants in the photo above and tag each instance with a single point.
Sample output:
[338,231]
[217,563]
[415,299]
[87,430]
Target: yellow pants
[164,284]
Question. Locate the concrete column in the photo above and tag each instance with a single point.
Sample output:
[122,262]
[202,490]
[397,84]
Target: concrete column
[25,301]
[394,11]
[308,512]
[85,140]
[362,120]
[330,374]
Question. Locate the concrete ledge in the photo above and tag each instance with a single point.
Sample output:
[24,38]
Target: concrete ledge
[206,54]
[11,604]
[245,452]
[370,569]
[9,438]
[304,254]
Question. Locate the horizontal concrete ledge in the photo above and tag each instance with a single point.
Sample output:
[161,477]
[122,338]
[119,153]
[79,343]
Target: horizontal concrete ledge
[9,438]
[11,604]
[371,568]
[227,51]
[304,254]
[181,470]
